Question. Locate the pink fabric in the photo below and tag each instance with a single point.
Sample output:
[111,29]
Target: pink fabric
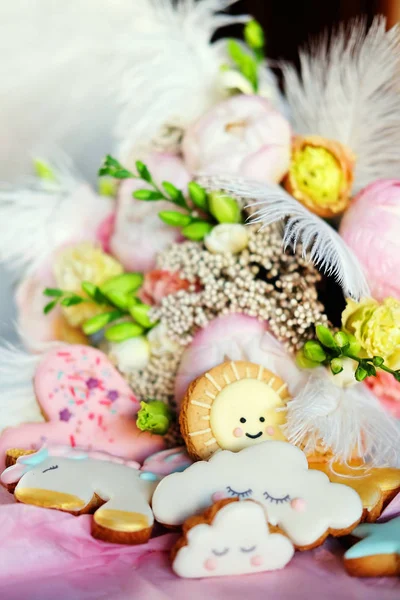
[46,554]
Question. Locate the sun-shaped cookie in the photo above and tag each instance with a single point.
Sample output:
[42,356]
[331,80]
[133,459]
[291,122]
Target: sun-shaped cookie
[234,405]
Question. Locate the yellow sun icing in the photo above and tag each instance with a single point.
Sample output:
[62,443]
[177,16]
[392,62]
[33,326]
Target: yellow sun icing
[317,174]
[248,399]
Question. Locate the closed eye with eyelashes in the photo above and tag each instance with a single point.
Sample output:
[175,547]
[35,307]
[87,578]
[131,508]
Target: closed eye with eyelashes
[242,494]
[275,500]
[50,468]
[251,549]
[220,552]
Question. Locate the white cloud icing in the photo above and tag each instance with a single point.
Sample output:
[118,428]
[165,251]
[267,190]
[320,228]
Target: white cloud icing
[237,542]
[273,473]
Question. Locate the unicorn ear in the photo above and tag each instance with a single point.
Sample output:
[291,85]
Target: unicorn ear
[22,464]
[31,460]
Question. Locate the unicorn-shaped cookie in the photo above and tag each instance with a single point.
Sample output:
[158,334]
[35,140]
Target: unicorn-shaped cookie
[61,478]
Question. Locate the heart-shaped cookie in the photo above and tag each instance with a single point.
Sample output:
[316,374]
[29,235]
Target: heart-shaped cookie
[86,403]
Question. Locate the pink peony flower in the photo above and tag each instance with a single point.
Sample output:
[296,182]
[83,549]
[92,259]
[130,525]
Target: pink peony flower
[139,234]
[245,136]
[371,227]
[158,284]
[387,390]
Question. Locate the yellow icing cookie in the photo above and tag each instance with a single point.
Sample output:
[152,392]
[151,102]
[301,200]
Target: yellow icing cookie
[375,486]
[234,405]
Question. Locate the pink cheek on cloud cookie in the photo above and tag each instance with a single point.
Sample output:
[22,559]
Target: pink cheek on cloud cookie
[256,561]
[270,431]
[238,432]
[210,564]
[298,504]
[218,496]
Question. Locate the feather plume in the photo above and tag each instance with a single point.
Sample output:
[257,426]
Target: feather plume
[17,397]
[321,244]
[44,215]
[348,90]
[345,420]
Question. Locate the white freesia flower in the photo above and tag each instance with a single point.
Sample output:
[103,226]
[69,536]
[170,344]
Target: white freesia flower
[345,378]
[160,342]
[227,237]
[130,355]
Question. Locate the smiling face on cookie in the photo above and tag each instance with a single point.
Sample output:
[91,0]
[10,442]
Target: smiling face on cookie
[232,406]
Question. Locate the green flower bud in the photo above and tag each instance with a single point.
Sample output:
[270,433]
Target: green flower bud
[314,351]
[354,345]
[197,231]
[154,416]
[173,192]
[303,362]
[341,338]
[198,195]
[119,299]
[43,170]
[98,322]
[378,361]
[125,283]
[143,171]
[140,312]
[175,219]
[254,35]
[361,373]
[336,366]
[224,208]
[325,336]
[148,195]
[107,187]
[123,331]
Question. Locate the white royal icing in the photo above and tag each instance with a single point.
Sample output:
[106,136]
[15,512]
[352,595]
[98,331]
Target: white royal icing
[236,543]
[301,501]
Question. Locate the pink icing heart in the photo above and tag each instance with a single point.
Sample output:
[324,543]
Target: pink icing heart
[87,404]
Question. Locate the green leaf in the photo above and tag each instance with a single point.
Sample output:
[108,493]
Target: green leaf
[377,361]
[110,161]
[224,208]
[361,373]
[197,231]
[341,338]
[49,306]
[119,299]
[176,195]
[314,351]
[247,64]
[176,219]
[98,322]
[123,331]
[94,292]
[71,300]
[53,292]
[154,416]
[396,375]
[254,35]
[325,336]
[122,174]
[336,366]
[148,195]
[43,170]
[143,171]
[305,363]
[127,282]
[198,195]
[140,313]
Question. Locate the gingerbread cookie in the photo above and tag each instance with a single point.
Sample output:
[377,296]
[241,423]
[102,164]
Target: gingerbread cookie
[69,480]
[87,404]
[375,486]
[230,538]
[378,552]
[301,502]
[232,406]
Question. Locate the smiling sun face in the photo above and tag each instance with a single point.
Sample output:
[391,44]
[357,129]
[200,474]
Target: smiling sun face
[232,406]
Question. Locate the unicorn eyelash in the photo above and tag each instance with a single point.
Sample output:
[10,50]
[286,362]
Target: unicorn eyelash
[222,553]
[50,468]
[248,549]
[245,494]
[276,500]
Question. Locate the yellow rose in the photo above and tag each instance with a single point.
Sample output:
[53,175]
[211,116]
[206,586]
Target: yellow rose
[376,326]
[321,175]
[84,262]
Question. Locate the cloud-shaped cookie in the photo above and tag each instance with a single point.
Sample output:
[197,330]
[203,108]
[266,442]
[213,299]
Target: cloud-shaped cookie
[302,502]
[236,542]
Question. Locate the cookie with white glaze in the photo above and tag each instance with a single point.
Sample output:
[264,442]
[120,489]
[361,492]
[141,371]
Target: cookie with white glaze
[232,406]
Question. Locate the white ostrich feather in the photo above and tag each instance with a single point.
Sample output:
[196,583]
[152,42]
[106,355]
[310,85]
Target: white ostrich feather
[17,397]
[42,215]
[348,90]
[346,420]
[321,244]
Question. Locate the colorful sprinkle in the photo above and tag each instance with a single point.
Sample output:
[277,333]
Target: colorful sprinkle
[113,395]
[65,414]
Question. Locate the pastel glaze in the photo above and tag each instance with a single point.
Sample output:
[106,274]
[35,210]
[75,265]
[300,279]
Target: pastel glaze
[273,473]
[237,542]
[377,538]
[87,404]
